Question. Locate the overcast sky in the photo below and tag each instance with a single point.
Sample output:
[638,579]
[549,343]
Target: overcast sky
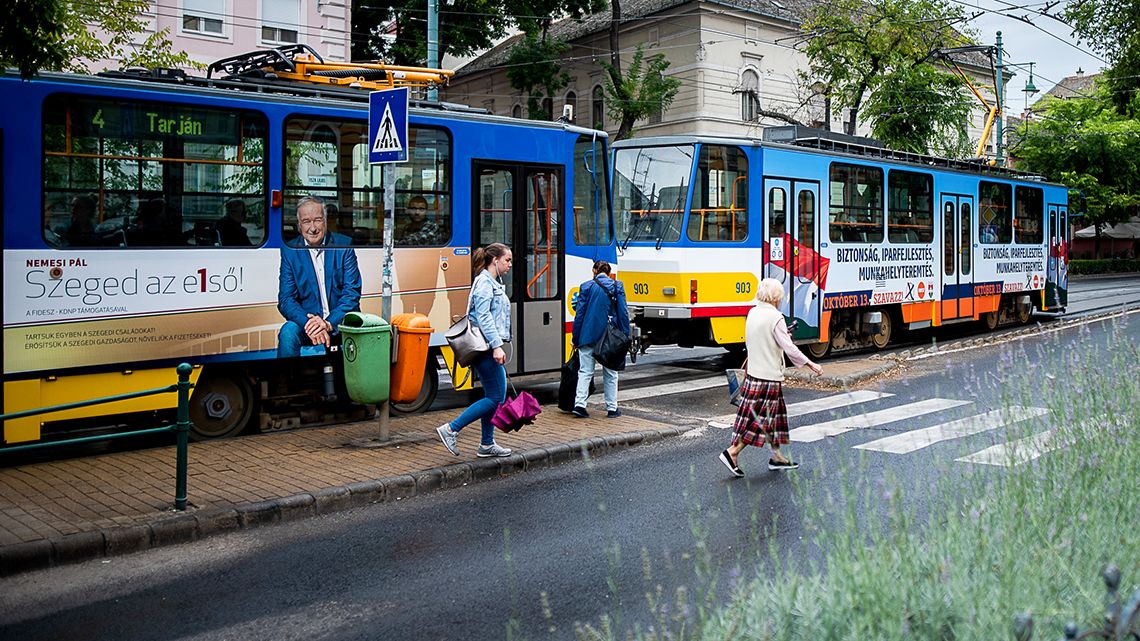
[1046,42]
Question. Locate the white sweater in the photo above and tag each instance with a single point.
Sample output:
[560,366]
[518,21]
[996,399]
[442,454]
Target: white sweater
[766,338]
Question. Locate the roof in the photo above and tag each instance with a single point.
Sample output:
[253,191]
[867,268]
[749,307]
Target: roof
[1078,86]
[571,29]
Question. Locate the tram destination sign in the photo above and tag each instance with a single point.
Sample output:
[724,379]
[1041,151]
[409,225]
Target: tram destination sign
[388,126]
[105,119]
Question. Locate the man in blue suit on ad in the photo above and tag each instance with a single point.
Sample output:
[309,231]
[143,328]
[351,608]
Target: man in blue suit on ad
[318,284]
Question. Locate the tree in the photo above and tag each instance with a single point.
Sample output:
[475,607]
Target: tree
[639,93]
[533,65]
[1112,28]
[859,48]
[1089,146]
[53,35]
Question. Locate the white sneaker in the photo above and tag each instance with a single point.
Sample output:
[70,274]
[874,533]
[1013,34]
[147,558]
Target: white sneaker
[494,449]
[450,439]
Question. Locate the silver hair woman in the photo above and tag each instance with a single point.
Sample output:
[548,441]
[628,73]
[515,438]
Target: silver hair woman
[763,417]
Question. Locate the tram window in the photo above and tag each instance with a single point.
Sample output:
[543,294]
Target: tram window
[948,253]
[651,185]
[329,158]
[966,244]
[910,209]
[777,212]
[591,198]
[720,196]
[1028,214]
[119,173]
[994,215]
[855,213]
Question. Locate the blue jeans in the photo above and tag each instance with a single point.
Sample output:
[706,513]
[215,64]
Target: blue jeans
[494,379]
[586,372]
[290,340]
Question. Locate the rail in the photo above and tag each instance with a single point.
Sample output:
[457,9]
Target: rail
[181,427]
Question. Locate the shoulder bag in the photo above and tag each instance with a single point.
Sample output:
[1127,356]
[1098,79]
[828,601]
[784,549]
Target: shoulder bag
[465,337]
[611,350]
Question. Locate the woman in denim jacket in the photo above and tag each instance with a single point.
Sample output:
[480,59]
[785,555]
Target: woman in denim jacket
[490,310]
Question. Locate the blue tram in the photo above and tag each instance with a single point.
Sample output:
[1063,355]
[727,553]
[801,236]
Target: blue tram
[867,241]
[145,217]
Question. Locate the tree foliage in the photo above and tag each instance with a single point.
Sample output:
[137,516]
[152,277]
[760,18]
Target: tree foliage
[465,26]
[53,35]
[1112,28]
[533,68]
[1089,146]
[878,53]
[640,92]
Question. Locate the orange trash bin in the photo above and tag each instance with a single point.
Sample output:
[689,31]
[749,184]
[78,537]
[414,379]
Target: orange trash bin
[411,356]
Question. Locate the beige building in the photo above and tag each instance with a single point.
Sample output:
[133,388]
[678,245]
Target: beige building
[736,62]
[209,30]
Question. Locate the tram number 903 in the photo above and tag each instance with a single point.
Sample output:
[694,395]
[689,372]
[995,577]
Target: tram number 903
[641,289]
[744,287]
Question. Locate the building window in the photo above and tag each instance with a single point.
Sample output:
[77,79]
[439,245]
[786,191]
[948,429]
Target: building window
[749,96]
[597,108]
[548,108]
[516,111]
[572,102]
[280,21]
[204,16]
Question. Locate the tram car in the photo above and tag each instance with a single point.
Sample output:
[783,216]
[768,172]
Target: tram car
[148,217]
[867,241]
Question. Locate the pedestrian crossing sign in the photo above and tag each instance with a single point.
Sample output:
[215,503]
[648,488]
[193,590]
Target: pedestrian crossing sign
[388,126]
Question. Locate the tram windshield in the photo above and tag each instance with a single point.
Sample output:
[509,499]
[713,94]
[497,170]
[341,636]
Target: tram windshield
[651,185]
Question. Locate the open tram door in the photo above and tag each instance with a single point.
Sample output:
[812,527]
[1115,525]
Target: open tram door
[792,257]
[957,256]
[1057,269]
[521,207]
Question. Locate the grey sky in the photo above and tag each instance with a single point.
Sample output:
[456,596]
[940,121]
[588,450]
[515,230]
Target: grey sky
[1049,44]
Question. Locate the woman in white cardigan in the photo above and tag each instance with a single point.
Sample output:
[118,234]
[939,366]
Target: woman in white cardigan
[762,416]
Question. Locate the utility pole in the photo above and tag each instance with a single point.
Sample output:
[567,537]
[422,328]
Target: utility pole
[1000,91]
[433,44]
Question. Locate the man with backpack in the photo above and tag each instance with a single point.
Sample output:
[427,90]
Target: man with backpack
[601,303]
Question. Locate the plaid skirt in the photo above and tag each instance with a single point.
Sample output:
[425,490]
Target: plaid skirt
[762,414]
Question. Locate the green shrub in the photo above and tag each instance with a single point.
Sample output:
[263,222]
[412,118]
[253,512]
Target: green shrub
[1103,266]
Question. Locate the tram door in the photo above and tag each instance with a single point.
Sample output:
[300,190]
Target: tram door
[793,241]
[1057,270]
[521,206]
[957,256]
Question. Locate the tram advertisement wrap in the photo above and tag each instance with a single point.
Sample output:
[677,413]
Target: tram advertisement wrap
[98,308]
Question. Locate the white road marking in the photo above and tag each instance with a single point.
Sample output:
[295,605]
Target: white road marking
[818,431]
[914,440]
[825,403]
[1019,451]
[597,399]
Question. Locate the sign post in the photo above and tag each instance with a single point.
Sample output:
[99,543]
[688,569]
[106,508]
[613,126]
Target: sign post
[387,144]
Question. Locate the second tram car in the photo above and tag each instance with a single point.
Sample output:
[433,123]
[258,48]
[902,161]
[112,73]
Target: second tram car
[145,219]
[867,241]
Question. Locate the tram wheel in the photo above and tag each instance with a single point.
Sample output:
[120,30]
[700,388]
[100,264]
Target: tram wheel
[818,350]
[991,320]
[882,338]
[1024,313]
[426,397]
[221,405]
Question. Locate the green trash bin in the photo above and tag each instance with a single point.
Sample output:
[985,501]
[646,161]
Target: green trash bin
[366,343]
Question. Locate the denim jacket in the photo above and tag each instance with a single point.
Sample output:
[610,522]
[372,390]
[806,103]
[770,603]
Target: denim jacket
[490,309]
[592,311]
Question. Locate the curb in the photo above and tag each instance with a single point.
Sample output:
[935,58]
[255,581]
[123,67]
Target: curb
[187,527]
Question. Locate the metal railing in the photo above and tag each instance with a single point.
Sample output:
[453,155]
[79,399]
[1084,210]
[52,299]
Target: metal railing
[1120,623]
[181,427]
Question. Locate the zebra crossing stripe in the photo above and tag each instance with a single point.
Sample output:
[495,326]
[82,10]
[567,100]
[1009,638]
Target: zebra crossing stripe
[835,401]
[914,440]
[818,431]
[1017,452]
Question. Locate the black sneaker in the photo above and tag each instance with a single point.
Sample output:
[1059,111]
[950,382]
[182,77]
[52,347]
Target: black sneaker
[732,467]
[613,413]
[773,464]
[580,412]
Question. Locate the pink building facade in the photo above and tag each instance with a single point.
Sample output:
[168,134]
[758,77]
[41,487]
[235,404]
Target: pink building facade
[212,29]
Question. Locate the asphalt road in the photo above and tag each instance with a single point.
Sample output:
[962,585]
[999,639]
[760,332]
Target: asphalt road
[534,555]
